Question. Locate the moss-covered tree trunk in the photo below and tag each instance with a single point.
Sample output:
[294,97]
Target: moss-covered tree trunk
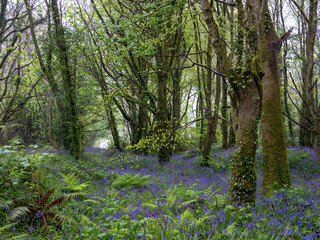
[246,101]
[113,127]
[317,140]
[275,163]
[162,127]
[212,118]
[208,111]
[243,179]
[71,125]
[308,66]
[224,114]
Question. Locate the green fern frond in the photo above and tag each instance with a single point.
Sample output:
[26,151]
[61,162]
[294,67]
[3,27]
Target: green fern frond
[184,204]
[150,205]
[22,236]
[219,200]
[126,180]
[4,228]
[232,228]
[72,183]
[201,220]
[19,212]
[187,214]
[171,199]
[92,201]
[61,218]
[58,201]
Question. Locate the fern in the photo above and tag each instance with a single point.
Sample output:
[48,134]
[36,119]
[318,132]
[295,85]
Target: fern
[184,204]
[73,184]
[4,228]
[219,200]
[126,180]
[187,214]
[19,212]
[232,228]
[40,208]
[150,205]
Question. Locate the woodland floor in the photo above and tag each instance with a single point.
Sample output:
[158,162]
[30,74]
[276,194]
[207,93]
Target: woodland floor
[133,197]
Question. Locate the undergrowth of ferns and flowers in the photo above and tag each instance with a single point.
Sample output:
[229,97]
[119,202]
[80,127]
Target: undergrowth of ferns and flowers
[131,196]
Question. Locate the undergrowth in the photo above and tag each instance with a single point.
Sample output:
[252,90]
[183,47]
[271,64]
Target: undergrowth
[133,197]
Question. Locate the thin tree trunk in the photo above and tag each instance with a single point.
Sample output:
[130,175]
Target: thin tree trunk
[208,110]
[224,114]
[200,75]
[291,141]
[6,133]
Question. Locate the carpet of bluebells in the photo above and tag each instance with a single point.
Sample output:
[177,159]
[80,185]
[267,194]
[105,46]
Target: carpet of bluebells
[132,196]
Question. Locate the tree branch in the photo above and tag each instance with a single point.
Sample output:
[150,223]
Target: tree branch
[300,10]
[286,35]
[301,125]
[229,4]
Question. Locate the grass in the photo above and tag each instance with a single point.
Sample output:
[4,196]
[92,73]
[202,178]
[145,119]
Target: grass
[179,200]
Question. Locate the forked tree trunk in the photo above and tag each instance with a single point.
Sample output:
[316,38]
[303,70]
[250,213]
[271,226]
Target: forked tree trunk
[275,163]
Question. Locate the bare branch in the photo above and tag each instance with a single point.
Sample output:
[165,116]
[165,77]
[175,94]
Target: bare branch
[229,4]
[300,95]
[17,68]
[300,10]
[205,66]
[301,125]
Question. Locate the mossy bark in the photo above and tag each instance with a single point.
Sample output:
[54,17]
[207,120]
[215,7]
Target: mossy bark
[208,111]
[113,128]
[224,114]
[317,145]
[245,102]
[73,129]
[162,110]
[243,179]
[275,163]
[309,115]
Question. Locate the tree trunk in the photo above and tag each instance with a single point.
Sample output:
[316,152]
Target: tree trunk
[308,66]
[211,118]
[275,163]
[291,139]
[208,110]
[246,90]
[243,179]
[73,129]
[176,105]
[162,128]
[224,114]
[200,76]
[6,133]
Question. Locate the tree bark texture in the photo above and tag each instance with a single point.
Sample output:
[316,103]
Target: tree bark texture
[275,163]
[73,130]
[162,128]
[309,118]
[246,89]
